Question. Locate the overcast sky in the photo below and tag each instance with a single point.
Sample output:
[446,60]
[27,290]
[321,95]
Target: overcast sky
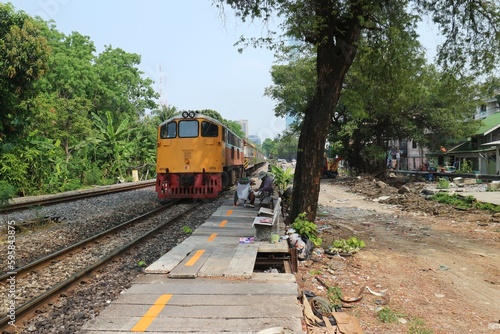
[185,47]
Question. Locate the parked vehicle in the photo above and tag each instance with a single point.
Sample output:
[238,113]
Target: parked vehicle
[330,167]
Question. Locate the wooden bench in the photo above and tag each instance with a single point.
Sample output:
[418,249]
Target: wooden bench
[267,222]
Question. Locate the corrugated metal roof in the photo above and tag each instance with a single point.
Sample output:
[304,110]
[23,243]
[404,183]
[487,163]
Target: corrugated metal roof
[489,124]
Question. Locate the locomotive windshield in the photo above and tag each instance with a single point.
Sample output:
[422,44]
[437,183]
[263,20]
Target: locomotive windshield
[188,129]
[209,129]
[168,130]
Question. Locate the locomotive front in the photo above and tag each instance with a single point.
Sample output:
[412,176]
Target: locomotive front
[191,157]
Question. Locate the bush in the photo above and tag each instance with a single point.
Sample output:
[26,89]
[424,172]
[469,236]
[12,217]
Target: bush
[7,191]
[443,184]
[92,176]
[307,229]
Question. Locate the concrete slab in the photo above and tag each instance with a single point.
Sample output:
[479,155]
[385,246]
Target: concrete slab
[222,294]
[492,197]
[203,306]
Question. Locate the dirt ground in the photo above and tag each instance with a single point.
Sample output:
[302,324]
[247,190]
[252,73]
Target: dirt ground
[439,265]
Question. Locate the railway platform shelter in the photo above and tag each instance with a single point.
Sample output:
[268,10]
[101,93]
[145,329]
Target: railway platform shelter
[210,283]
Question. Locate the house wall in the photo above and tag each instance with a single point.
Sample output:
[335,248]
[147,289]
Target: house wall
[487,108]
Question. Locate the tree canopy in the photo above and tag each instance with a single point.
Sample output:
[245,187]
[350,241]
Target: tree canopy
[24,52]
[334,29]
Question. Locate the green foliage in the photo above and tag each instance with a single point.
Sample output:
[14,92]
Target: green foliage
[291,96]
[163,113]
[78,123]
[443,184]
[386,315]
[314,272]
[373,154]
[113,143]
[235,127]
[334,295]
[7,191]
[141,263]
[461,202]
[187,230]
[454,200]
[466,167]
[286,146]
[14,169]
[92,175]
[282,178]
[417,326]
[349,246]
[23,60]
[122,90]
[268,146]
[307,229]
[487,206]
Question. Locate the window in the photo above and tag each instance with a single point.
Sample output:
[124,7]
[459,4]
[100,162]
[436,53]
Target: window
[209,129]
[413,144]
[483,108]
[168,130]
[188,129]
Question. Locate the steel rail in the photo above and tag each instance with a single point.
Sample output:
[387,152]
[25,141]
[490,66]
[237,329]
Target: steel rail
[25,308]
[59,198]
[38,263]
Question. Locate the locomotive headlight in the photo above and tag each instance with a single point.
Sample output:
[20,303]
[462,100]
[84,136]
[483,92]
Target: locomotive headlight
[186,161]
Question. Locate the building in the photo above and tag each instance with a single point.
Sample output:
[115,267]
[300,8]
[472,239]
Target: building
[255,139]
[481,151]
[244,126]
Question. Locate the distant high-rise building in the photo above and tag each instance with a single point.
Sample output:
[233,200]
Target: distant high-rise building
[255,139]
[244,126]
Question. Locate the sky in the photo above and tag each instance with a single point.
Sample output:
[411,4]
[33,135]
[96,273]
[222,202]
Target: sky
[186,48]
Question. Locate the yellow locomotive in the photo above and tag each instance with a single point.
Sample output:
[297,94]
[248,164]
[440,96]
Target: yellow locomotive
[197,157]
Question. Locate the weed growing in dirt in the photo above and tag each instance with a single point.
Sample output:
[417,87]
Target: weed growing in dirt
[314,272]
[334,295]
[417,326]
[454,200]
[461,202]
[386,315]
[349,246]
[187,230]
[443,184]
[307,229]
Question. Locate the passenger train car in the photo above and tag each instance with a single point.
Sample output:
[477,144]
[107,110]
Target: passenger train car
[253,156]
[197,157]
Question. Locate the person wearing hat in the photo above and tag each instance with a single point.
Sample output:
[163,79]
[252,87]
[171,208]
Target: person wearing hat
[265,189]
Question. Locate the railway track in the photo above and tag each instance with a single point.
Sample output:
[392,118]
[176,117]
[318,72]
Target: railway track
[22,203]
[68,266]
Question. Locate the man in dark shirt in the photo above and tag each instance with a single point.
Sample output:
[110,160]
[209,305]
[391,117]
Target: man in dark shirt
[265,189]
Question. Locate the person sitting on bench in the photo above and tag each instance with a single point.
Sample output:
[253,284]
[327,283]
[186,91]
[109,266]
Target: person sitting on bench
[265,188]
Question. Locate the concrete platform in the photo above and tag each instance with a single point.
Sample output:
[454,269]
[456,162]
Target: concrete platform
[492,197]
[207,284]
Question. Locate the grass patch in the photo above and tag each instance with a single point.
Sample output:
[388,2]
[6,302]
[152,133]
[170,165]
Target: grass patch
[417,326]
[443,184]
[468,202]
[386,315]
[314,272]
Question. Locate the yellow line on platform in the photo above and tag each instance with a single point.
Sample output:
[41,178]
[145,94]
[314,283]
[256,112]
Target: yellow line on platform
[195,258]
[223,223]
[212,237]
[229,212]
[151,314]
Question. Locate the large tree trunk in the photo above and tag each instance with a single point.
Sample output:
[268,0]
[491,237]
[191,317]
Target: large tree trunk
[334,58]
